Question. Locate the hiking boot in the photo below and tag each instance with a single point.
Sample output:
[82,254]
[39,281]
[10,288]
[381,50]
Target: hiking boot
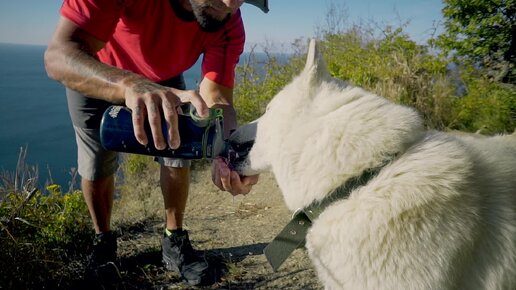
[104,249]
[180,257]
[102,261]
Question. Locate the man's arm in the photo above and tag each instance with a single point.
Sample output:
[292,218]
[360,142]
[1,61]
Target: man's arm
[70,60]
[218,96]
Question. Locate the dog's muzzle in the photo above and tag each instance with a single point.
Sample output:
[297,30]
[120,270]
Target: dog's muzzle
[236,153]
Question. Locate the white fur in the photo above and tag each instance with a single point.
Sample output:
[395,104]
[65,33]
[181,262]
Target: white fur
[441,215]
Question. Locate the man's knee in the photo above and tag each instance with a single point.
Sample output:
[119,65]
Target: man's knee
[101,186]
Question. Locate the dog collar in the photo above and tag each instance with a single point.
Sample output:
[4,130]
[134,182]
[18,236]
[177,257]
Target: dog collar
[294,233]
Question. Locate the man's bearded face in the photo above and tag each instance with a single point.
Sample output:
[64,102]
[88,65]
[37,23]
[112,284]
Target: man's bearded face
[211,15]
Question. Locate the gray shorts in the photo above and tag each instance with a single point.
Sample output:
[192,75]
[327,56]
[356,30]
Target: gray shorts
[93,161]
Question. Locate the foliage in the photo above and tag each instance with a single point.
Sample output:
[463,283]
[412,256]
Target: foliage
[135,164]
[392,66]
[42,237]
[483,33]
[260,77]
[489,107]
[395,67]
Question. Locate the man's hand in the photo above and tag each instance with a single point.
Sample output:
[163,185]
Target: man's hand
[226,179]
[147,100]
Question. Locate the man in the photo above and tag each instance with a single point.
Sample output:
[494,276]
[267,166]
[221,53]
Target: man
[134,52]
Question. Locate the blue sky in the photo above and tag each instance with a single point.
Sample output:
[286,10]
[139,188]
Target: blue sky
[33,21]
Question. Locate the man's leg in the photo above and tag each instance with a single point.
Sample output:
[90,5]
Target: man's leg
[174,176]
[98,195]
[96,167]
[178,253]
[175,183]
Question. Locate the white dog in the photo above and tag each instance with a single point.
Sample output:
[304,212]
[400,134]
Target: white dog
[439,214]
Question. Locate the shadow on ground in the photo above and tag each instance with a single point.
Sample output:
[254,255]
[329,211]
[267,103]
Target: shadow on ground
[145,270]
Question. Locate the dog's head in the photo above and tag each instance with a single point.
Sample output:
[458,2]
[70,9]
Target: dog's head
[282,113]
[319,131]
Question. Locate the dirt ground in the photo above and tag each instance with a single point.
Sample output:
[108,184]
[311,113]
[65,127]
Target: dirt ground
[234,229]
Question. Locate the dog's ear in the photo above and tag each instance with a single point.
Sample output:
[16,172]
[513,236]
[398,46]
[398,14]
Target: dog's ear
[315,68]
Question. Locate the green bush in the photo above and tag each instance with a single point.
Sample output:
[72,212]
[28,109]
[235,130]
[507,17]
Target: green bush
[134,165]
[395,67]
[43,239]
[489,107]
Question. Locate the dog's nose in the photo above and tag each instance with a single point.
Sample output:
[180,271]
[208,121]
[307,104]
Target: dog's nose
[238,152]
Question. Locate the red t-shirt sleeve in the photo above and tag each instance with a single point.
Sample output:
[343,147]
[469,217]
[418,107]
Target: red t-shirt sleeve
[220,59]
[97,17]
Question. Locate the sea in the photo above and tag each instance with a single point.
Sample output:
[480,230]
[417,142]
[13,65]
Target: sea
[34,117]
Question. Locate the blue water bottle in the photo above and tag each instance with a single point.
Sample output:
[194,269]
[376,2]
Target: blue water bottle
[200,138]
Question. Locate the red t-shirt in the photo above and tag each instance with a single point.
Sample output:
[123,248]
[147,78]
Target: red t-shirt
[148,38]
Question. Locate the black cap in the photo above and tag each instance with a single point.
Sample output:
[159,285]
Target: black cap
[262,4]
